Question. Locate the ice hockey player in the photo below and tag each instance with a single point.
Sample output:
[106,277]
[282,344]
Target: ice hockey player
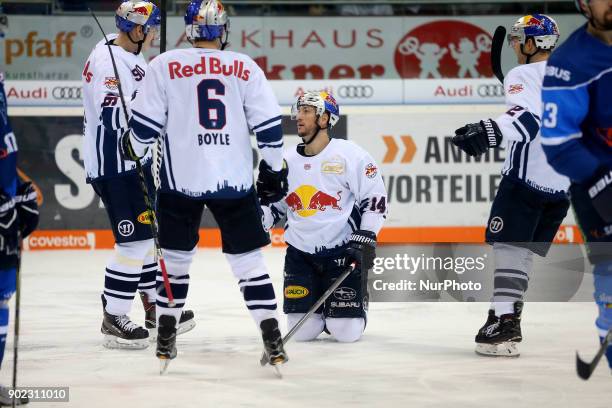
[577,138]
[207,98]
[336,205]
[532,200]
[132,265]
[18,218]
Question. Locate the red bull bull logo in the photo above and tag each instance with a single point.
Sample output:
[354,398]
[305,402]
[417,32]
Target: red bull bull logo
[144,10]
[307,200]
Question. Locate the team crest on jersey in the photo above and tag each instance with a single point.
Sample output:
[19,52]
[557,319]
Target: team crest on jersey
[371,170]
[307,166]
[111,83]
[516,88]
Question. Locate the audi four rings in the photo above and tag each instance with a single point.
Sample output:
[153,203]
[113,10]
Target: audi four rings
[67,92]
[490,90]
[355,91]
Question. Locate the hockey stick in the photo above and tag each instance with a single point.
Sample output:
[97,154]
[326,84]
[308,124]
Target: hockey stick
[586,369]
[496,49]
[143,184]
[162,34]
[159,152]
[313,309]
[17,318]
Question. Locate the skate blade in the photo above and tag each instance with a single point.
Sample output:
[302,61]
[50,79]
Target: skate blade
[164,362]
[505,349]
[185,327]
[114,343]
[277,372]
[182,329]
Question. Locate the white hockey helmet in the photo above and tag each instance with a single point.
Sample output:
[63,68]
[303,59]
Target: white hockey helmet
[322,102]
[543,29]
[206,20]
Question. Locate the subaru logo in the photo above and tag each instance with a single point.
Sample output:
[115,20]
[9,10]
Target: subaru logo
[345,293]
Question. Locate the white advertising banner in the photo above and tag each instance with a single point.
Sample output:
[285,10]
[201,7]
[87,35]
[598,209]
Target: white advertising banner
[289,48]
[347,92]
[429,181]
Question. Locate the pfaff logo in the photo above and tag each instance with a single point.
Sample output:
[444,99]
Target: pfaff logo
[138,73]
[59,47]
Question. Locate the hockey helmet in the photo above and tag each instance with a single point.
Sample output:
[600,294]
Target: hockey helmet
[206,20]
[322,102]
[541,28]
[133,13]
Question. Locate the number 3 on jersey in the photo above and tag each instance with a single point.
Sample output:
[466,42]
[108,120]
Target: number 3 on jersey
[550,115]
[212,110]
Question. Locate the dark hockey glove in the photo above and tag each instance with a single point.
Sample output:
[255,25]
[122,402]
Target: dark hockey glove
[600,191]
[272,186]
[126,149]
[9,230]
[361,250]
[27,208]
[476,138]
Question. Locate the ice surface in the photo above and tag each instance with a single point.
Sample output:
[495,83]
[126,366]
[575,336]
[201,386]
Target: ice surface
[412,354]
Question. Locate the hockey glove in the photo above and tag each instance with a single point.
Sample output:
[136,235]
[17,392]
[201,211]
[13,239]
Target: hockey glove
[476,138]
[27,208]
[361,250]
[600,191]
[9,224]
[272,186]
[125,146]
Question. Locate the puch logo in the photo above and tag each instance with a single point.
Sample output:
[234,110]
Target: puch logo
[296,292]
[61,46]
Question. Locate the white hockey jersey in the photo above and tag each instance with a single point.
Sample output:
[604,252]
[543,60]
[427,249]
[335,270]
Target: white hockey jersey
[206,101]
[330,195]
[104,120]
[520,126]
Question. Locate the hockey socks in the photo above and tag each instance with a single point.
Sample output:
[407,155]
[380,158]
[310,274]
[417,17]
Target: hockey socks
[511,277]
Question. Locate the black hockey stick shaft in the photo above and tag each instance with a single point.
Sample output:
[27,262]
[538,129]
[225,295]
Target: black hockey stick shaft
[586,369]
[164,22]
[496,50]
[313,309]
[17,320]
[141,177]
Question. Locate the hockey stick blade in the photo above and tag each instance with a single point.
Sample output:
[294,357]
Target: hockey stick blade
[496,50]
[263,361]
[584,369]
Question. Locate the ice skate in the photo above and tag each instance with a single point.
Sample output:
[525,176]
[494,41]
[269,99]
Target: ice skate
[166,342]
[500,336]
[121,333]
[186,323]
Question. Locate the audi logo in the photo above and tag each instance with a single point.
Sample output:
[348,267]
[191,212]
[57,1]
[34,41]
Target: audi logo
[67,92]
[355,91]
[490,91]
